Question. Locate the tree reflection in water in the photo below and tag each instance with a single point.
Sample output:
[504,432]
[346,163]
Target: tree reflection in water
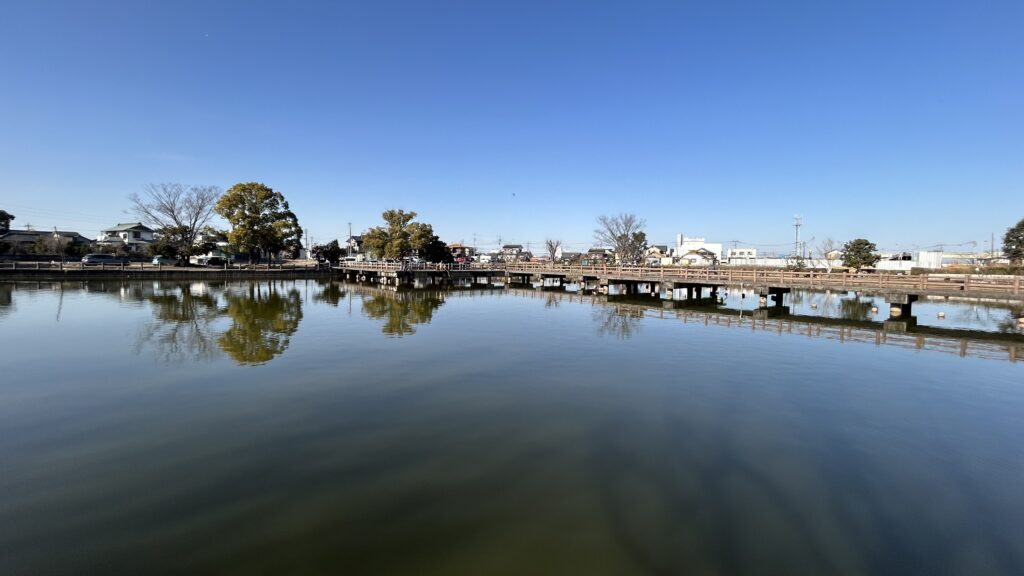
[330,293]
[1012,323]
[402,311]
[619,320]
[263,320]
[855,308]
[185,316]
[6,298]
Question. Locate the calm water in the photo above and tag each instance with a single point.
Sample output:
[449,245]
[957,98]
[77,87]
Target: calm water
[310,428]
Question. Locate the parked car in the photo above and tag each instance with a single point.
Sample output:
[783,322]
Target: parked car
[214,261]
[166,261]
[96,259]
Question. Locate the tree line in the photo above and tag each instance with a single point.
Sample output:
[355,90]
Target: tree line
[262,224]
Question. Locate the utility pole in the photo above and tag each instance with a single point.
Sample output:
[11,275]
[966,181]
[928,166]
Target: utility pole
[348,243]
[797,222]
[60,245]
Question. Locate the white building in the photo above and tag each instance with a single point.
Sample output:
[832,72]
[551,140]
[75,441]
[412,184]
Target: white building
[134,236]
[741,253]
[696,250]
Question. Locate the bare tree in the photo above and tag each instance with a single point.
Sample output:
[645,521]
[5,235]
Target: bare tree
[177,212]
[625,234]
[829,252]
[553,247]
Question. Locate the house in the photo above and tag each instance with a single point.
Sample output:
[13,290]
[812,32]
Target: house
[657,255]
[511,252]
[462,251]
[569,257]
[698,257]
[133,237]
[21,241]
[597,257]
[690,246]
[219,239]
[354,245]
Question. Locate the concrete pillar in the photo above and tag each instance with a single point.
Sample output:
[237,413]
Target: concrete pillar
[900,305]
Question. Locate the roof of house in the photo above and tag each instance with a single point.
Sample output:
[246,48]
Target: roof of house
[661,247]
[129,226]
[512,247]
[33,235]
[357,239]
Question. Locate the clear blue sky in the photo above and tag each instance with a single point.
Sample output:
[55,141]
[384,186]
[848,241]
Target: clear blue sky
[902,122]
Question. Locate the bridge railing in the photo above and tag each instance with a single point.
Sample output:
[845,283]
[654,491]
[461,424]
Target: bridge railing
[978,284]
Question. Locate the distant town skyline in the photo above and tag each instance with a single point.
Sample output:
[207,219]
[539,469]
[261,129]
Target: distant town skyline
[513,122]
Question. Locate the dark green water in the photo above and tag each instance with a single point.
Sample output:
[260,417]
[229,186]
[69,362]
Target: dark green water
[309,428]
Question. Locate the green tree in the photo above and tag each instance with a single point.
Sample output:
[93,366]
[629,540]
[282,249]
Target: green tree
[393,240]
[1013,243]
[5,221]
[859,253]
[437,252]
[330,252]
[261,221]
[401,237]
[169,243]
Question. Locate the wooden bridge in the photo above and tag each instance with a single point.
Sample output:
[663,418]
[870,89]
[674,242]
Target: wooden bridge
[679,283]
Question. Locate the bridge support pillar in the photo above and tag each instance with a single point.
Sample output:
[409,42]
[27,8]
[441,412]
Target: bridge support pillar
[775,293]
[900,304]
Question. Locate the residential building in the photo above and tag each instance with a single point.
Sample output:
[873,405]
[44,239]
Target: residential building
[461,252]
[698,257]
[696,246]
[134,237]
[354,245]
[657,255]
[21,241]
[511,252]
[597,257]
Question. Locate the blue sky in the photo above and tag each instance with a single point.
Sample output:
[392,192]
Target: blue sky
[902,122]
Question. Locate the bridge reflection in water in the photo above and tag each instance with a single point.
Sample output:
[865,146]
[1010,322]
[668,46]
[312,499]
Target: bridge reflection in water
[853,328]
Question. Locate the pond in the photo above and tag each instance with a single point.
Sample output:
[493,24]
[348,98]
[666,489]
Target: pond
[313,427]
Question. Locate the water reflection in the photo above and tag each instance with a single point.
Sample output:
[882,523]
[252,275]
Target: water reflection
[330,293]
[854,308]
[184,326]
[6,298]
[263,321]
[619,320]
[402,311]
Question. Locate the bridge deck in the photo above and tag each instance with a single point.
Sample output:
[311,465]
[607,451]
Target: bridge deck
[981,286]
